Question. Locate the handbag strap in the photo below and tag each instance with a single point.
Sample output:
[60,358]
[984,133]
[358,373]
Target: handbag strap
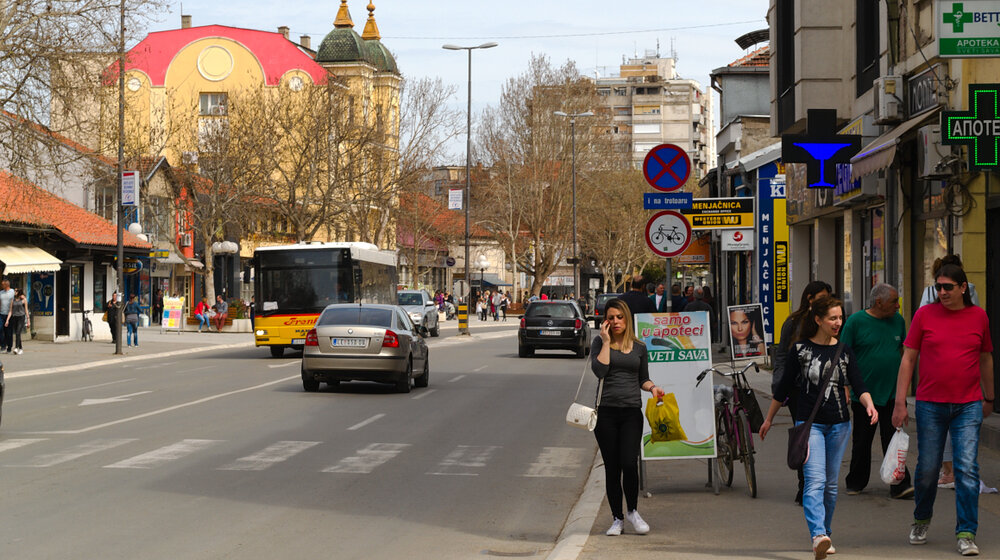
[826,382]
[600,386]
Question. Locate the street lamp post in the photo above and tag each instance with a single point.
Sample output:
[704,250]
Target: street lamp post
[482,264]
[468,152]
[572,129]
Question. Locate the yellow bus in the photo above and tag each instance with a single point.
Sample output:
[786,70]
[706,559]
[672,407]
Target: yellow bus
[294,283]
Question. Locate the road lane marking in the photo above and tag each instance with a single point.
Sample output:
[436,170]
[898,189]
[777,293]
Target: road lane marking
[364,423]
[155,366]
[15,443]
[424,394]
[163,455]
[557,462]
[198,369]
[169,408]
[368,458]
[454,379]
[480,368]
[269,456]
[73,390]
[123,361]
[75,452]
[464,458]
[285,365]
[106,400]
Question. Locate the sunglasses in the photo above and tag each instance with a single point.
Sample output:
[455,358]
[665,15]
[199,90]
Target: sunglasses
[947,286]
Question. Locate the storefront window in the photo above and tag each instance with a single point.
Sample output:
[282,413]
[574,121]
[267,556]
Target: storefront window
[76,288]
[100,283]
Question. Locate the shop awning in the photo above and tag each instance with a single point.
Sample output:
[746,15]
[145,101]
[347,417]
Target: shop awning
[880,153]
[20,259]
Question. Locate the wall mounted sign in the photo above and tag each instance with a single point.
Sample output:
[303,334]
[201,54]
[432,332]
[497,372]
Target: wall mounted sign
[968,28]
[666,167]
[922,91]
[737,240]
[820,148]
[978,128]
[720,213]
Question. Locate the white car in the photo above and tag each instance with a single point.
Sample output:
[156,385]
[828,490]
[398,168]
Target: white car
[420,306]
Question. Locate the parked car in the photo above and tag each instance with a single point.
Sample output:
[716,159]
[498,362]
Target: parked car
[553,325]
[365,342]
[420,306]
[599,303]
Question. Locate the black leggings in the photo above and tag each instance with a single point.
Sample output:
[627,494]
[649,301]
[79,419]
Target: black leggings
[619,434]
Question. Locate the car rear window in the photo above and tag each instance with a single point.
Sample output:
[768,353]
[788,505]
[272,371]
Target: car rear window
[409,299]
[360,316]
[603,298]
[554,310]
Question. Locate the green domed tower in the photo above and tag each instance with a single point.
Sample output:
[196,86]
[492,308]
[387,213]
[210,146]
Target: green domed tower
[377,52]
[343,44]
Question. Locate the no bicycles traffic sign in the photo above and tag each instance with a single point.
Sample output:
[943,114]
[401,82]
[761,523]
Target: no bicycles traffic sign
[668,233]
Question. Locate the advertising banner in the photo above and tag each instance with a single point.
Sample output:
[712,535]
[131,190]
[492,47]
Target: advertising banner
[772,249]
[42,291]
[682,425]
[746,331]
[173,313]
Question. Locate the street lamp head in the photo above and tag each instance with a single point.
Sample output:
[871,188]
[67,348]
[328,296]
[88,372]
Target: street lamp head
[451,47]
[559,114]
[587,114]
[489,45]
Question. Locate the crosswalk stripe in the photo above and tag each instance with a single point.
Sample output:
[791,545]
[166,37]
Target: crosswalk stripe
[15,443]
[368,458]
[162,455]
[75,452]
[464,458]
[556,462]
[268,457]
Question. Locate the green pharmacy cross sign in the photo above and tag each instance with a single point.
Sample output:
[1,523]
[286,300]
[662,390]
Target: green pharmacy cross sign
[967,29]
[958,17]
[977,128]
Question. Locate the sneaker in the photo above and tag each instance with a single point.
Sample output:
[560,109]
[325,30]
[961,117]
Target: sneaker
[946,480]
[918,532]
[831,550]
[637,523]
[853,492]
[616,528]
[967,547]
[821,546]
[904,493]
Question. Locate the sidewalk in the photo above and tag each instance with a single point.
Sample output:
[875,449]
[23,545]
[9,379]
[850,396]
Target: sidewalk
[41,357]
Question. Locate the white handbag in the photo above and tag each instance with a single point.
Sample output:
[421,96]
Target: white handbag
[582,416]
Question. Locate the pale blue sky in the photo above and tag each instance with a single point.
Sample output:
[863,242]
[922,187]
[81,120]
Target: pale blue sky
[414,31]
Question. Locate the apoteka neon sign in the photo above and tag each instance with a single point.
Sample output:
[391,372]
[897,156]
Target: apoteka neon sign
[978,128]
[820,148]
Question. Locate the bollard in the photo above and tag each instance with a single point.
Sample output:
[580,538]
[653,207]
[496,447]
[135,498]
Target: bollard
[463,318]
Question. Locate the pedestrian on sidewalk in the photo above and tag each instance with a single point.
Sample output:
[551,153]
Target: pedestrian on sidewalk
[7,332]
[789,332]
[619,359]
[875,335]
[221,312]
[201,313]
[809,362]
[19,318]
[111,309]
[637,299]
[954,393]
[132,321]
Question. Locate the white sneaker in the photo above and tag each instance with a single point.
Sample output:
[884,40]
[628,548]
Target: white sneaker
[616,528]
[638,525]
[821,546]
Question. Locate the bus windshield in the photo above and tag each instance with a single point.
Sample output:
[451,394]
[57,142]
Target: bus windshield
[305,282]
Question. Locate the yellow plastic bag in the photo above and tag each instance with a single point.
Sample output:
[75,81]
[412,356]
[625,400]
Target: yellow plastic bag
[665,419]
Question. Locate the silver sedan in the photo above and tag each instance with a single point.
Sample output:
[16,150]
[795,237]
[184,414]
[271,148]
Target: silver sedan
[365,342]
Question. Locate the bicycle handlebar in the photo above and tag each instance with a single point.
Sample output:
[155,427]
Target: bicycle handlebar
[734,373]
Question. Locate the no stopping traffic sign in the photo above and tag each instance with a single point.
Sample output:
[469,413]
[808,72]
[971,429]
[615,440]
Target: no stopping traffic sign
[666,167]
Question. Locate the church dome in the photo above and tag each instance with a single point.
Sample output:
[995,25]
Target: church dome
[381,57]
[343,44]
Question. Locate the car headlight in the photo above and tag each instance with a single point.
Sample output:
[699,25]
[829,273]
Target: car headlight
[416,316]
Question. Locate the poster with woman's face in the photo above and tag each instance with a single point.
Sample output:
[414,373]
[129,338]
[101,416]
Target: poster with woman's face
[746,331]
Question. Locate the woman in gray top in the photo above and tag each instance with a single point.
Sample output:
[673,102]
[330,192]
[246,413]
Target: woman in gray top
[619,360]
[17,319]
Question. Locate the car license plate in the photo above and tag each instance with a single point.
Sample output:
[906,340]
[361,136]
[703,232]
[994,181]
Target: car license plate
[349,342]
[298,341]
[549,333]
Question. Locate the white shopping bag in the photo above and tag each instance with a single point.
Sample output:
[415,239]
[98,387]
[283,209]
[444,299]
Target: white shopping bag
[894,465]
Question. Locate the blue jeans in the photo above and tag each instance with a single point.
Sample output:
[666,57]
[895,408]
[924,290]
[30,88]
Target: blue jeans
[934,422]
[132,335]
[202,320]
[827,443]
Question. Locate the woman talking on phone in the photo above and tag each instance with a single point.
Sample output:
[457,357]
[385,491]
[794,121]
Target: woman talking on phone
[619,359]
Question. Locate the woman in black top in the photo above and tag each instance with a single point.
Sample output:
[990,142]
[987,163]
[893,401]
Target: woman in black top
[807,364]
[619,359]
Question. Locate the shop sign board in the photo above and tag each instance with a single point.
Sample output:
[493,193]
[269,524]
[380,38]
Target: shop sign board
[737,240]
[968,28]
[978,128]
[454,199]
[821,148]
[720,213]
[772,250]
[173,314]
[678,348]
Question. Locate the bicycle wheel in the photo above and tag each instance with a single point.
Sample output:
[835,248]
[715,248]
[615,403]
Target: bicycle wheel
[746,451]
[656,238]
[724,446]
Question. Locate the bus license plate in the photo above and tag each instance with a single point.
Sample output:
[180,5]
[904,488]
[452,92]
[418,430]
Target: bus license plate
[349,342]
[549,333]
[298,341]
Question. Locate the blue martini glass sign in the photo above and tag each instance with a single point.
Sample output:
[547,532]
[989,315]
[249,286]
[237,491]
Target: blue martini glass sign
[820,148]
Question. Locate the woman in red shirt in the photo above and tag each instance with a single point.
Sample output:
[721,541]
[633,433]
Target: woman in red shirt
[954,394]
[201,313]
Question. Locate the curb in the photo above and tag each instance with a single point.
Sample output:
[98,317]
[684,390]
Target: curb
[88,365]
[576,531]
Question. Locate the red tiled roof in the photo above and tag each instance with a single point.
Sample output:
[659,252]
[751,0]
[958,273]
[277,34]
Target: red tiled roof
[759,57]
[276,54]
[60,138]
[22,202]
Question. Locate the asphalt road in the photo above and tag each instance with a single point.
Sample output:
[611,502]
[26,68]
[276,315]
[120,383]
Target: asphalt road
[222,455]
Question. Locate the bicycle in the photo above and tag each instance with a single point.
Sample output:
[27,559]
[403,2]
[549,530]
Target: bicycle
[733,429]
[88,328]
[661,234]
